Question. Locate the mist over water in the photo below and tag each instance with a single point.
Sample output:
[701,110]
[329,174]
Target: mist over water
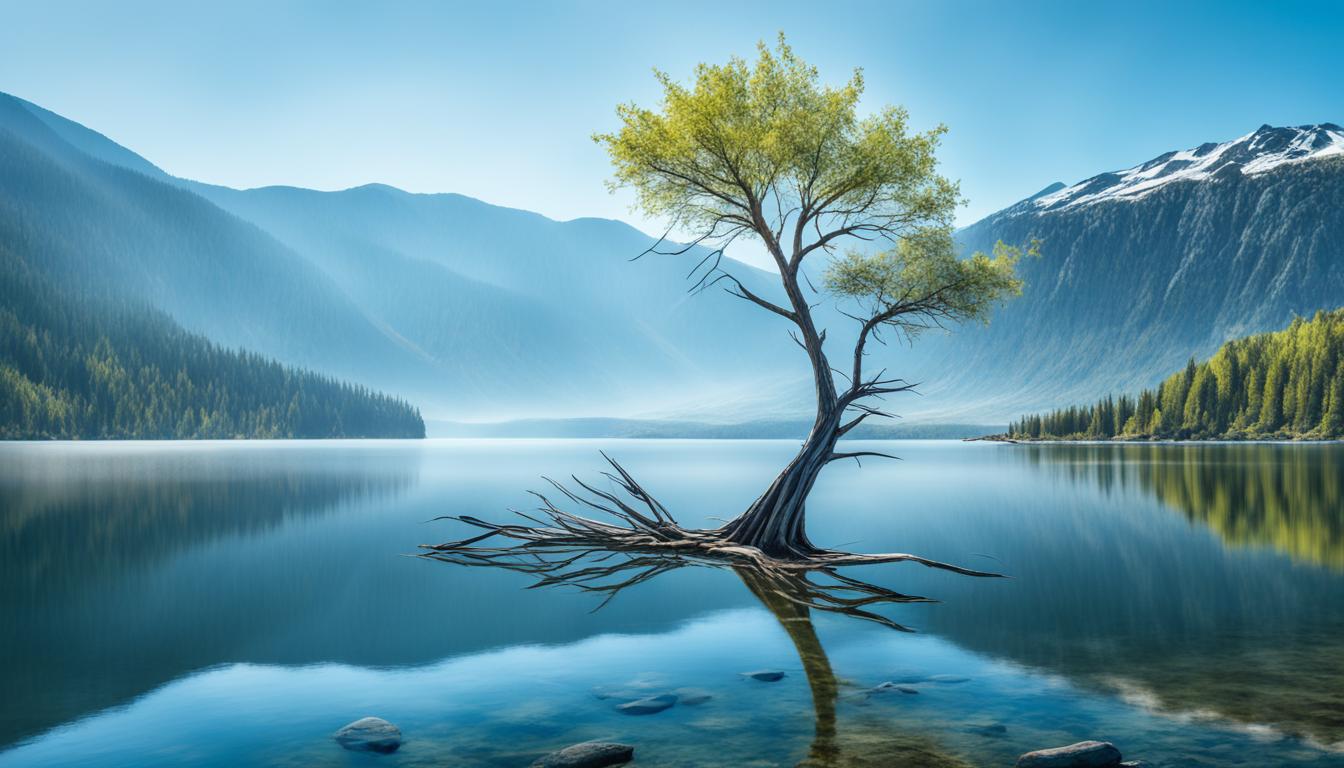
[236,603]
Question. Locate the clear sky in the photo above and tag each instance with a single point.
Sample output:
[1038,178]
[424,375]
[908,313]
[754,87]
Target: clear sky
[498,100]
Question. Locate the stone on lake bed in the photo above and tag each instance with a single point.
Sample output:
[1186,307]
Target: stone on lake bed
[651,705]
[765,675]
[1084,754]
[1136,764]
[692,697]
[590,754]
[369,734]
[993,731]
[890,687]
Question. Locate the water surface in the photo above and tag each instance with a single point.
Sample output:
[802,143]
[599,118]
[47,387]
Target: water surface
[235,603]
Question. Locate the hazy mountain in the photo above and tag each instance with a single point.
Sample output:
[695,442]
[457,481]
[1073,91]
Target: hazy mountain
[469,309]
[1145,267]
[77,366]
[557,307]
[104,229]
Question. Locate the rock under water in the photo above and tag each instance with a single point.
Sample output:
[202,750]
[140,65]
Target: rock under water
[1084,754]
[648,706]
[590,754]
[369,734]
[765,675]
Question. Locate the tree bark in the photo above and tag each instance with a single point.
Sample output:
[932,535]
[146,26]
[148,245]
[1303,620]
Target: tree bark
[775,523]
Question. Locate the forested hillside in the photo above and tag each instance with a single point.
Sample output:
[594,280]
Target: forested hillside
[89,227]
[95,368]
[1288,384]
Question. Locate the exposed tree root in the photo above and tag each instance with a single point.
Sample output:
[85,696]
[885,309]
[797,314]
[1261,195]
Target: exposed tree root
[564,548]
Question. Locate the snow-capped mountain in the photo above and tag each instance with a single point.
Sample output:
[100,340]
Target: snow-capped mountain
[1140,269]
[1255,153]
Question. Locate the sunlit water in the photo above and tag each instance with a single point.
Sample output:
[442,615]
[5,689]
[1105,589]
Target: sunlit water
[236,603]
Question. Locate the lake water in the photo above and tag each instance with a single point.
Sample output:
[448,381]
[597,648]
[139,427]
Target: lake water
[235,603]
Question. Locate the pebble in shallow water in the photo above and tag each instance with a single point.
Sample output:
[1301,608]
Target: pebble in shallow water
[1084,754]
[893,688]
[590,754]
[648,706]
[765,675]
[369,734]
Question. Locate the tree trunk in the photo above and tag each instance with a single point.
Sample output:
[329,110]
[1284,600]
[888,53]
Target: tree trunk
[775,522]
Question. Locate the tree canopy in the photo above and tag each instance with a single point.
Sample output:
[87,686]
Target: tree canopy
[767,151]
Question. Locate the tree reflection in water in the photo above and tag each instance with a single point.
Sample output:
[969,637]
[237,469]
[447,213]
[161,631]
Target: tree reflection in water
[790,596]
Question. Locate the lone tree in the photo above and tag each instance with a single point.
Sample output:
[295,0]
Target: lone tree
[767,152]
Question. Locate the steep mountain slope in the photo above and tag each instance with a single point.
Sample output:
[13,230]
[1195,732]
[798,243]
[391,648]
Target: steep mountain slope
[1146,267]
[532,299]
[94,227]
[493,311]
[80,367]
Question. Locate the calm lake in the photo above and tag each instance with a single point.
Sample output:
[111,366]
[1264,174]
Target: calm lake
[236,603]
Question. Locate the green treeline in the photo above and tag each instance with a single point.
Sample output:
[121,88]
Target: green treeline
[94,368]
[1283,385]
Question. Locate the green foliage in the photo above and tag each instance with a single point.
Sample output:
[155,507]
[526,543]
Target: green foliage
[91,368]
[743,137]
[767,151]
[1284,385]
[923,277]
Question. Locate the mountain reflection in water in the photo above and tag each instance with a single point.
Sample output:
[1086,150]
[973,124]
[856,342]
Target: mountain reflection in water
[222,604]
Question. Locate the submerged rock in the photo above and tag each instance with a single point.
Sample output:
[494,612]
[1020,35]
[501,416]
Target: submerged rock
[1084,754]
[590,754]
[650,705]
[1136,764]
[890,687]
[765,675]
[369,734]
[692,697]
[995,731]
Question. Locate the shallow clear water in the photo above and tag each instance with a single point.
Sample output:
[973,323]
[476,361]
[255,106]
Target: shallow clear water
[235,603]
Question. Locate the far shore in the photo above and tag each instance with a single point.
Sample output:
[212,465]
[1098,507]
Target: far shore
[1150,441]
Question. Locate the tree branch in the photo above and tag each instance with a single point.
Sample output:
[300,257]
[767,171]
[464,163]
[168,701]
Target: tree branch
[855,455]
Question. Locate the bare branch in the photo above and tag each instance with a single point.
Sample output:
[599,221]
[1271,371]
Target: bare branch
[857,454]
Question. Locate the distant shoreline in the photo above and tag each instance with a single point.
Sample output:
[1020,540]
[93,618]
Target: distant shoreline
[659,429]
[1146,441]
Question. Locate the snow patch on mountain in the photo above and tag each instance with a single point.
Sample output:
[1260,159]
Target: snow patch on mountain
[1257,152]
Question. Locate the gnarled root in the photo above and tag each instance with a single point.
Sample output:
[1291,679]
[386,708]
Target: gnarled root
[564,548]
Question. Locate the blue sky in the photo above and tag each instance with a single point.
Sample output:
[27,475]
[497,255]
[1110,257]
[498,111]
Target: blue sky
[498,100]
